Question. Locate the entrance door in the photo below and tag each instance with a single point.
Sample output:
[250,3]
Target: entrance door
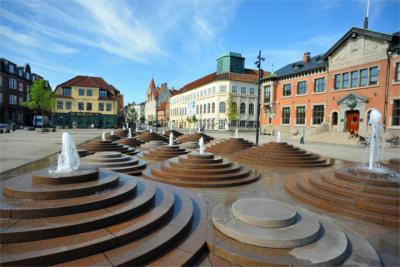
[353,121]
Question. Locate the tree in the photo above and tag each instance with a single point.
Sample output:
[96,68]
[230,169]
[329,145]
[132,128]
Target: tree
[41,98]
[233,114]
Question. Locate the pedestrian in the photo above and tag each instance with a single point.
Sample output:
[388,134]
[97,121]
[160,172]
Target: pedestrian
[302,137]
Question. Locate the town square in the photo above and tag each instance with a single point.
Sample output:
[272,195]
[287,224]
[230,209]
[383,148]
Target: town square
[200,133]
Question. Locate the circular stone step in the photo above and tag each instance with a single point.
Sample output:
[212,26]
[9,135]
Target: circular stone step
[305,230]
[263,212]
[194,138]
[229,146]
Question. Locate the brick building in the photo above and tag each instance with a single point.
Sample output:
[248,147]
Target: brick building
[337,90]
[15,83]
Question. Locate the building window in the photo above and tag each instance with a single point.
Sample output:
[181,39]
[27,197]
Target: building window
[197,109]
[346,80]
[213,107]
[267,93]
[373,76]
[68,105]
[318,114]
[221,107]
[89,92]
[319,85]
[243,90]
[338,81]
[301,115]
[334,118]
[201,109]
[67,91]
[363,77]
[204,108]
[1,98]
[222,89]
[213,90]
[251,91]
[242,124]
[396,113]
[287,89]
[285,115]
[251,109]
[89,106]
[21,87]
[243,108]
[12,84]
[11,68]
[81,92]
[60,105]
[108,107]
[103,94]
[12,100]
[234,89]
[302,88]
[354,79]
[208,108]
[1,81]
[81,106]
[20,100]
[397,71]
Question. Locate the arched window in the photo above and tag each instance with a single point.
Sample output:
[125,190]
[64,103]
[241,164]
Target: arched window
[208,108]
[222,107]
[201,109]
[243,108]
[205,108]
[213,107]
[251,109]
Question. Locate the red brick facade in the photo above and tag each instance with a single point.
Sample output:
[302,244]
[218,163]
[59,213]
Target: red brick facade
[367,65]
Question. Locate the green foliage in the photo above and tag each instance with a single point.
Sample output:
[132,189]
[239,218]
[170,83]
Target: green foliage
[194,119]
[233,114]
[41,98]
[131,114]
[189,120]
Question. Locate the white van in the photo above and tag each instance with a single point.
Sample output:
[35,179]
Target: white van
[38,121]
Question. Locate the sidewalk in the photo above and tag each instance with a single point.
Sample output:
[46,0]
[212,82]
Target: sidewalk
[22,147]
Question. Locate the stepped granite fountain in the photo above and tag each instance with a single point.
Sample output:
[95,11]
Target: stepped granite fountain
[367,192]
[163,152]
[150,136]
[281,154]
[200,169]
[83,216]
[194,138]
[104,145]
[230,146]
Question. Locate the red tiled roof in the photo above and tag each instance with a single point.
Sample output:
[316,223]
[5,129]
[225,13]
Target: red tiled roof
[89,81]
[250,76]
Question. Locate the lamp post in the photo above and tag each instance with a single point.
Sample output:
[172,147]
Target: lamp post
[260,75]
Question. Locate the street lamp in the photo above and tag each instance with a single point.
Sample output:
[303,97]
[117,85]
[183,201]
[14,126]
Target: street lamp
[260,75]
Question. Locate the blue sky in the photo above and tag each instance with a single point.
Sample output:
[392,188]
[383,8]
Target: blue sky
[129,42]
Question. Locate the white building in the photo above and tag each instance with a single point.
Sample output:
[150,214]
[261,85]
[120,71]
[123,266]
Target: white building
[140,111]
[207,97]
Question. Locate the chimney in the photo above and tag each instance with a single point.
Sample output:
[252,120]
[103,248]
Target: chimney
[306,57]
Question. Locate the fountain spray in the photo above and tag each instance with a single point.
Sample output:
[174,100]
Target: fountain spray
[68,161]
[171,139]
[129,132]
[112,132]
[278,137]
[163,132]
[236,133]
[103,136]
[374,121]
[201,145]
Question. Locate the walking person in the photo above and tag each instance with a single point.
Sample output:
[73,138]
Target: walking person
[302,137]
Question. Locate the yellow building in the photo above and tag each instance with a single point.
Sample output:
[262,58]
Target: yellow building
[85,100]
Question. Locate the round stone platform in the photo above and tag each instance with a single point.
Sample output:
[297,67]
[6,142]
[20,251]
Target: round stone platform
[147,137]
[200,170]
[162,153]
[393,164]
[281,155]
[354,191]
[190,145]
[194,138]
[109,220]
[112,137]
[121,133]
[131,141]
[174,132]
[243,234]
[115,161]
[103,146]
[229,146]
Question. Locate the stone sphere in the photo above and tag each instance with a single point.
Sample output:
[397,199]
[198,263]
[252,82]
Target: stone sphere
[295,132]
[388,136]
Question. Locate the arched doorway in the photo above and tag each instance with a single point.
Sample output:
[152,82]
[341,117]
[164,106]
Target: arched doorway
[353,121]
[334,119]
